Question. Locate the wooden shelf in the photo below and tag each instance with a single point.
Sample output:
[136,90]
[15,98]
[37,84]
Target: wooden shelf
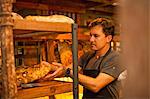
[23,29]
[26,56]
[44,89]
[62,36]
[42,26]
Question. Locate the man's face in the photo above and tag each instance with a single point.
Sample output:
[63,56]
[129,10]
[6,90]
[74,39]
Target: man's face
[98,39]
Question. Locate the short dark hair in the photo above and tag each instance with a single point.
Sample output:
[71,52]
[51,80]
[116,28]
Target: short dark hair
[107,24]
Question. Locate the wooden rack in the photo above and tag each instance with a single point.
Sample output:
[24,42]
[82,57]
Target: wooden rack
[23,27]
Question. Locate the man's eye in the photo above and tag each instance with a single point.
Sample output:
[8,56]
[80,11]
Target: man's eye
[95,35]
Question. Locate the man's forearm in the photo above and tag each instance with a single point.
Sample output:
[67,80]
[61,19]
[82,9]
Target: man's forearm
[88,82]
[94,84]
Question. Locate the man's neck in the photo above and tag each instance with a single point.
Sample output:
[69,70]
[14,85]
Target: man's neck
[102,51]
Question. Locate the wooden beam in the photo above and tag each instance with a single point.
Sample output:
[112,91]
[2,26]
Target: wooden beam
[100,6]
[42,26]
[103,1]
[68,3]
[101,9]
[62,36]
[9,87]
[31,34]
[34,47]
[26,39]
[37,6]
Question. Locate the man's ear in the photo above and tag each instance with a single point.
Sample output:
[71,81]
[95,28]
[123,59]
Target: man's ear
[109,38]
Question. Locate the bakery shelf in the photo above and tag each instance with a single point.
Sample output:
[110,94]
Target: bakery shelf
[45,89]
[42,26]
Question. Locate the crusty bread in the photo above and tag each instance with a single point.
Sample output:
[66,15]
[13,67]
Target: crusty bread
[61,18]
[52,18]
[26,74]
[16,16]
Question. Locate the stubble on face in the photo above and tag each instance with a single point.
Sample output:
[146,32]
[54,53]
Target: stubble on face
[97,39]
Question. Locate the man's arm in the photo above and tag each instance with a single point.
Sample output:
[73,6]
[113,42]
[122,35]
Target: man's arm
[59,70]
[94,84]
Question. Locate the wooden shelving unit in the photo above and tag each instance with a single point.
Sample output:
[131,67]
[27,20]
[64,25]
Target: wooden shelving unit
[52,28]
[23,30]
[51,89]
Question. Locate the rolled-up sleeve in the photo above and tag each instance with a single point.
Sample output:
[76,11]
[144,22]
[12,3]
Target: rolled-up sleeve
[112,67]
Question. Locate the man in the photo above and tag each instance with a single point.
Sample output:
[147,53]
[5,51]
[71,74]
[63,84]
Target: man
[98,70]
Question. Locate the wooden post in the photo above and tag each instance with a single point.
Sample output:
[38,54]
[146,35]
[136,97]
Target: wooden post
[9,88]
[50,51]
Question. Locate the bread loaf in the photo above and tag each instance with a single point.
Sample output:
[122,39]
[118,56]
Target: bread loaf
[26,74]
[52,18]
[16,16]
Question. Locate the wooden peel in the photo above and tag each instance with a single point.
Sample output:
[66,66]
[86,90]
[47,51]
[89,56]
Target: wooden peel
[31,85]
[39,84]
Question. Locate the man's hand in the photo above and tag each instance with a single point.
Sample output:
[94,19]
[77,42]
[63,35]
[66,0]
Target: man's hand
[58,69]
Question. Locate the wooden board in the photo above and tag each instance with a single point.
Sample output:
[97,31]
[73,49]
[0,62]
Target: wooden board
[45,89]
[62,37]
[42,26]
[72,6]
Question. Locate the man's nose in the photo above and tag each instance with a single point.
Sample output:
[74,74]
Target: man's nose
[91,39]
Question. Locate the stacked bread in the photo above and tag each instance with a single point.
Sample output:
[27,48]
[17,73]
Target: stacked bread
[52,18]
